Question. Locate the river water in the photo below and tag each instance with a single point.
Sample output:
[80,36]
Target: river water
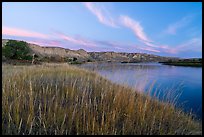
[160,80]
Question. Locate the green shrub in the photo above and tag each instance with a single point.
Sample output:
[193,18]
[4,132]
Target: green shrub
[28,57]
[16,50]
[74,59]
[89,60]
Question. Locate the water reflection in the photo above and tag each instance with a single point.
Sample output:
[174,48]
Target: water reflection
[186,81]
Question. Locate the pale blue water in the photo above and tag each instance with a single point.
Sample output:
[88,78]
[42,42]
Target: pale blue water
[186,81]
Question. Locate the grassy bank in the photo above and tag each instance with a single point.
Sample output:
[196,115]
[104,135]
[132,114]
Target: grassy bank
[194,62]
[190,64]
[63,99]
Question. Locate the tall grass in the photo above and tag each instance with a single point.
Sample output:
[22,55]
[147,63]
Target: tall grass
[62,99]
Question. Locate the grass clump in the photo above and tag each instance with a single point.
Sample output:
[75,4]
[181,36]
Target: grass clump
[63,99]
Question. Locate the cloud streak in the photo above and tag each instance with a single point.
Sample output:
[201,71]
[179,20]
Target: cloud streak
[77,41]
[183,22]
[139,33]
[194,44]
[62,40]
[149,49]
[151,45]
[96,44]
[191,45]
[135,27]
[22,33]
[49,43]
[102,14]
[138,30]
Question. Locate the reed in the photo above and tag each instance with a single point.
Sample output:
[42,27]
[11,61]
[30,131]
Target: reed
[62,99]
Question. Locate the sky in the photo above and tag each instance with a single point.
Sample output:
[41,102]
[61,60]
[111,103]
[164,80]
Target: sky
[161,28]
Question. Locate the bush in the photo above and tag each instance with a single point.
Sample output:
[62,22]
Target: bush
[28,57]
[74,59]
[16,50]
[89,60]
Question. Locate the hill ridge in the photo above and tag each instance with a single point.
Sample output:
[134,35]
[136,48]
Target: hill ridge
[84,56]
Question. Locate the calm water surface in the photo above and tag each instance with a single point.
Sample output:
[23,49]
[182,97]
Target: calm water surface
[158,78]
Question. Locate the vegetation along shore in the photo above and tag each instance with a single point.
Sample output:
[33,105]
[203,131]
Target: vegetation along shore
[194,62]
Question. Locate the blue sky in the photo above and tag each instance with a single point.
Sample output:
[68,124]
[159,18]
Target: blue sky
[167,29]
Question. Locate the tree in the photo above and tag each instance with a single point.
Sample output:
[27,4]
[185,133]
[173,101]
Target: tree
[16,50]
[74,59]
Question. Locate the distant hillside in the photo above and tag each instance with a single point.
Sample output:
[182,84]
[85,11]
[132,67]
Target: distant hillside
[58,52]
[61,54]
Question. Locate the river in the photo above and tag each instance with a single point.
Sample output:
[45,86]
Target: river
[159,80]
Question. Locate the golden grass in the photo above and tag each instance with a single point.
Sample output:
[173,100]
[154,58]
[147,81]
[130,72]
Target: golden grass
[63,99]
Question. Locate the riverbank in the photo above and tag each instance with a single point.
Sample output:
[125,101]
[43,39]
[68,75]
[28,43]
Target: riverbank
[64,99]
[185,62]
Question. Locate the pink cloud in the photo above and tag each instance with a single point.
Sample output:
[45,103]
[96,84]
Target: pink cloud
[135,27]
[139,33]
[191,45]
[183,22]
[22,33]
[123,46]
[131,24]
[151,44]
[50,43]
[172,29]
[101,13]
[194,44]
[78,41]
[148,49]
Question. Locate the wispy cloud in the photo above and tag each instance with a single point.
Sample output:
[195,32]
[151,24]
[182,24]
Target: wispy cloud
[194,44]
[93,44]
[110,44]
[152,46]
[49,43]
[135,27]
[101,13]
[62,40]
[174,27]
[102,45]
[22,33]
[148,49]
[77,41]
[123,46]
